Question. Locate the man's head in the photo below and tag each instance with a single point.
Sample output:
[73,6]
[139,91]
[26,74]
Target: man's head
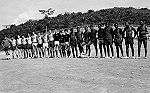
[66,30]
[86,28]
[116,25]
[127,24]
[71,30]
[99,25]
[106,24]
[78,28]
[141,23]
[91,26]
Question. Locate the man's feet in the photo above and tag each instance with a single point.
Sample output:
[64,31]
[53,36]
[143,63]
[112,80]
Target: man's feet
[133,57]
[145,57]
[126,57]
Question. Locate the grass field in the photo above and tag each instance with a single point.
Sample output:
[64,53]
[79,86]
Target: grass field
[69,75]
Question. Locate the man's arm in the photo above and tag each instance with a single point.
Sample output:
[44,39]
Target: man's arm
[134,32]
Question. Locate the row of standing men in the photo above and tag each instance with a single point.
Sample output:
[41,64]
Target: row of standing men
[61,43]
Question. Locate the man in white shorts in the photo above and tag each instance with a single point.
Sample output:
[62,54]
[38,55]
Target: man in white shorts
[19,47]
[51,44]
[45,43]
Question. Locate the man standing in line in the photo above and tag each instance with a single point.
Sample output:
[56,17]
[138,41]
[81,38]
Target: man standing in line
[73,43]
[109,36]
[19,47]
[93,39]
[13,47]
[118,38]
[6,43]
[129,35]
[79,35]
[67,39]
[45,43]
[51,44]
[101,41]
[142,38]
[34,43]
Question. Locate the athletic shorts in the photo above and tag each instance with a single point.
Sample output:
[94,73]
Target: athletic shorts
[6,48]
[24,46]
[35,44]
[40,45]
[51,44]
[45,45]
[19,46]
[129,41]
[13,48]
[101,41]
[29,46]
[56,42]
[118,41]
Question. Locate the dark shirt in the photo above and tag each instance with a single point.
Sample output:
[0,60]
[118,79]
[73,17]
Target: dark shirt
[6,43]
[118,33]
[67,37]
[100,33]
[142,30]
[108,33]
[86,36]
[129,32]
[56,37]
[93,34]
[62,39]
[73,39]
[79,36]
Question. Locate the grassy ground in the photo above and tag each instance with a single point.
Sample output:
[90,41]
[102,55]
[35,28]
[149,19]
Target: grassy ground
[68,75]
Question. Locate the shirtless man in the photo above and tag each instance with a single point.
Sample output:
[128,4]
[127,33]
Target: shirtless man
[51,44]
[19,47]
[24,47]
[45,43]
[34,44]
[40,45]
[13,47]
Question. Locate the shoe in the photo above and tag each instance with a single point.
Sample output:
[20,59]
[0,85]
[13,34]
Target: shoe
[126,57]
[112,57]
[133,57]
[139,57]
[107,57]
[145,57]
[96,57]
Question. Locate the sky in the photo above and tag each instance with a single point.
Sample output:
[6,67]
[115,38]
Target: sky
[19,11]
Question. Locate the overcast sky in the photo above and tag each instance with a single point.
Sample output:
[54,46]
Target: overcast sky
[18,11]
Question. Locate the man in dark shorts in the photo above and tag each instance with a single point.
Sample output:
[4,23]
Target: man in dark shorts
[108,34]
[6,43]
[67,45]
[118,38]
[19,47]
[24,47]
[73,43]
[51,44]
[29,46]
[101,41]
[93,39]
[40,45]
[129,35]
[79,35]
[86,40]
[142,38]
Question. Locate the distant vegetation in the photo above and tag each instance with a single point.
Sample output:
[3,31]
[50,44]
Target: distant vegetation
[116,14]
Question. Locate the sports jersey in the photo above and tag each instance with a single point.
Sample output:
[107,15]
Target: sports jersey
[62,38]
[56,37]
[67,36]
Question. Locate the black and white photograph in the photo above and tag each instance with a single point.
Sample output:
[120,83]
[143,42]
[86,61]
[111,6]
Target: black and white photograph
[74,46]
